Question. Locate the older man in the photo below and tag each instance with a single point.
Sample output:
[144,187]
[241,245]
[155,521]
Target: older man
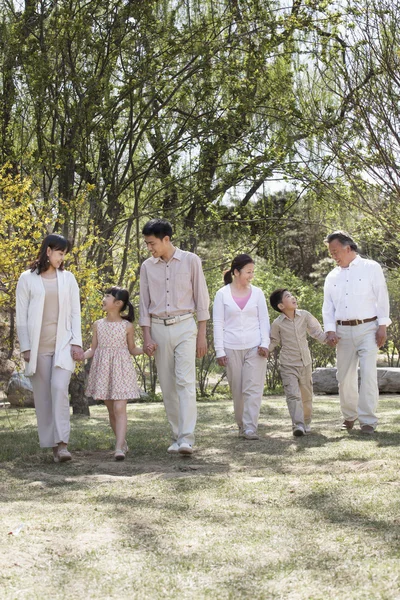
[355,314]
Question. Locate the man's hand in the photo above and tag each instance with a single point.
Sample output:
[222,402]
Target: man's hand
[201,345]
[149,346]
[381,336]
[27,355]
[332,339]
[263,351]
[222,361]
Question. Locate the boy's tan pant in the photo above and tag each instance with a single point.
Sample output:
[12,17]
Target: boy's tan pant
[50,394]
[246,376]
[297,383]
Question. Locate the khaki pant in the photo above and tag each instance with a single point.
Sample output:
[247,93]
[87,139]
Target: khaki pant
[176,367]
[246,376]
[357,347]
[297,383]
[50,393]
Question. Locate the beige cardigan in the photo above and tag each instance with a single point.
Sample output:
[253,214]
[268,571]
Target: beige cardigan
[30,303]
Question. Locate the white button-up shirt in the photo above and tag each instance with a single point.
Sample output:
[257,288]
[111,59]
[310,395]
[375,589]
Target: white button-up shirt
[356,292]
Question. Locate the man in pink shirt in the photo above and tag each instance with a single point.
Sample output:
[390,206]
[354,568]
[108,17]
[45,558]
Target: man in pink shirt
[172,289]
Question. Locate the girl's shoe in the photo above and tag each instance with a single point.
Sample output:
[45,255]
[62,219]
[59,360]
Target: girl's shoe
[119,455]
[125,448]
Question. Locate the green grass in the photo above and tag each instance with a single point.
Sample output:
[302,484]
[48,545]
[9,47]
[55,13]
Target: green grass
[281,518]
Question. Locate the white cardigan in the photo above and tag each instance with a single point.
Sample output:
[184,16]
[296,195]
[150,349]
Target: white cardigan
[240,329]
[30,304]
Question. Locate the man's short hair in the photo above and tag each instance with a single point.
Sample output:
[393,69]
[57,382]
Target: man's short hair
[158,227]
[343,237]
[276,298]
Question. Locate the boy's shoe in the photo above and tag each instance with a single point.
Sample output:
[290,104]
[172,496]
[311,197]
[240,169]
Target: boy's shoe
[63,454]
[307,429]
[119,455]
[250,435]
[173,448]
[298,430]
[185,448]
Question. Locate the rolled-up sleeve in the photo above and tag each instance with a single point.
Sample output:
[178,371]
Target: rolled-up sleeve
[144,298]
[200,292]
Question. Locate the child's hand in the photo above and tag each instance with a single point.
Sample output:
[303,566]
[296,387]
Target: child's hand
[77,353]
[263,352]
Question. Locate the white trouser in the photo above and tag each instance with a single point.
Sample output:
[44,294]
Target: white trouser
[357,346]
[50,393]
[246,376]
[176,367]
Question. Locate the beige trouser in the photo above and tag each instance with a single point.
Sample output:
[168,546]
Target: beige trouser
[176,367]
[50,393]
[357,346]
[297,383]
[246,376]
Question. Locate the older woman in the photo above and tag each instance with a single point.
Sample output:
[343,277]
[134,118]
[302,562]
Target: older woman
[49,333]
[241,340]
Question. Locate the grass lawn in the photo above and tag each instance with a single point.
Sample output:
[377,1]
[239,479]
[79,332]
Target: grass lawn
[292,518]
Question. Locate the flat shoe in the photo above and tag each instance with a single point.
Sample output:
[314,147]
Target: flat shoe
[64,455]
[347,425]
[367,429]
[119,455]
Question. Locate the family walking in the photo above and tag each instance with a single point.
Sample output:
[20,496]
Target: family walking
[173,292]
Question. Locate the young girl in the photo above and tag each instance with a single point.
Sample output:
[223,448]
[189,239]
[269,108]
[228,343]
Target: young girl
[112,376]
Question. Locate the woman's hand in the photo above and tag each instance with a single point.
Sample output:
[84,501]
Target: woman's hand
[77,353]
[222,361]
[263,352]
[27,355]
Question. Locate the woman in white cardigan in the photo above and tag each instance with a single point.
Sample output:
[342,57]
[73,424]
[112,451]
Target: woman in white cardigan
[241,340]
[49,332]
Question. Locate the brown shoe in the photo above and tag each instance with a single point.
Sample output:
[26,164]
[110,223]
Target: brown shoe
[347,425]
[367,429]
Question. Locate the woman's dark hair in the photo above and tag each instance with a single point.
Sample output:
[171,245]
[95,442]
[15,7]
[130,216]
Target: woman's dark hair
[238,263]
[55,242]
[123,295]
[158,227]
[276,298]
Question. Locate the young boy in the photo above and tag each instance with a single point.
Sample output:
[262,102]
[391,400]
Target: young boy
[289,331]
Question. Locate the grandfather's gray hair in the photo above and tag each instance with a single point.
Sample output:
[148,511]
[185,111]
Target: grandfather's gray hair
[343,237]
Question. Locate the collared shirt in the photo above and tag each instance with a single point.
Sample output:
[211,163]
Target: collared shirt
[291,335]
[237,328]
[173,288]
[356,292]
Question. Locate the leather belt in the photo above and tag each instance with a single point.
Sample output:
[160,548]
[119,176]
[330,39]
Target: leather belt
[354,322]
[171,320]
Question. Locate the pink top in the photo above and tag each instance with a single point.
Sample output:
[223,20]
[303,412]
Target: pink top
[241,302]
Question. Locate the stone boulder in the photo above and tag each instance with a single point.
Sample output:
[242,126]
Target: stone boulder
[19,391]
[324,380]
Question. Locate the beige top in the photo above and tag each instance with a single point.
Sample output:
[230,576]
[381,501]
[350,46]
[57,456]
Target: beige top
[173,288]
[292,337]
[48,332]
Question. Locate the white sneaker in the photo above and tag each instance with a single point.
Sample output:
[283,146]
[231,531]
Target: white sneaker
[307,428]
[174,448]
[298,430]
[185,448]
[250,435]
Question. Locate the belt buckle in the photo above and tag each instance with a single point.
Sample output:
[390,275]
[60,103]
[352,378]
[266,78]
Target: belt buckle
[169,321]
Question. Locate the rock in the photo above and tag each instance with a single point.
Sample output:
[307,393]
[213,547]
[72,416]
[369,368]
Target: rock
[324,380]
[19,391]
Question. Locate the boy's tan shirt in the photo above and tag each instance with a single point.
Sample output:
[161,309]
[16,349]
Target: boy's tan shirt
[292,337]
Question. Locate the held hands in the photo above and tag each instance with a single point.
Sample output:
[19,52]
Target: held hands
[263,352]
[77,353]
[149,347]
[332,339]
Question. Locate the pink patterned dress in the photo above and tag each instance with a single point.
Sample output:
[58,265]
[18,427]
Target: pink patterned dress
[112,374]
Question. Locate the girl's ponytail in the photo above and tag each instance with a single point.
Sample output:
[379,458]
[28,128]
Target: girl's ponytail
[131,313]
[228,277]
